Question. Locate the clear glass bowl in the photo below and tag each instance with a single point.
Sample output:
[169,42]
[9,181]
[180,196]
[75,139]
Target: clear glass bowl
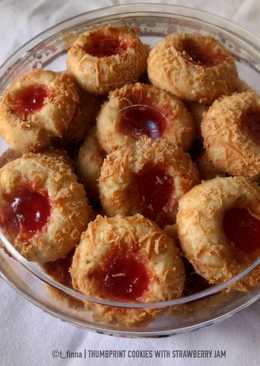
[48,50]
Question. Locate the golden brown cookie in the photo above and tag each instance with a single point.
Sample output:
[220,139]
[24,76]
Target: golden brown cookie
[142,110]
[127,259]
[37,108]
[193,67]
[148,177]
[218,224]
[231,133]
[43,209]
[105,58]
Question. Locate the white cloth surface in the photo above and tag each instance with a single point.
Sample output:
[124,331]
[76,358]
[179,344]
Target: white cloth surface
[28,335]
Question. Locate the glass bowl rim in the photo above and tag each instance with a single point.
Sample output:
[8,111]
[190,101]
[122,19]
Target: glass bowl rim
[96,16]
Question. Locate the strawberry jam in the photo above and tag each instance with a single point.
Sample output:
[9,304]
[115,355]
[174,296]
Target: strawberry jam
[199,55]
[29,99]
[251,122]
[27,211]
[125,277]
[101,46]
[242,229]
[138,120]
[155,187]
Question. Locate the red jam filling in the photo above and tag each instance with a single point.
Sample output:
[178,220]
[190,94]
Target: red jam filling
[155,187]
[242,229]
[138,120]
[125,277]
[199,55]
[29,99]
[101,46]
[251,121]
[27,211]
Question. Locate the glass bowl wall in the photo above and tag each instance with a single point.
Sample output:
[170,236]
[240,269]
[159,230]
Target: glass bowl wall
[48,50]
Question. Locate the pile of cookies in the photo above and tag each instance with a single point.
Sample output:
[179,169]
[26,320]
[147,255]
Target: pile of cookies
[133,165]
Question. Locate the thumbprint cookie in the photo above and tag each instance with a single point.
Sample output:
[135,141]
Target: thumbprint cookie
[127,259]
[37,108]
[193,67]
[139,109]
[90,160]
[43,209]
[148,177]
[106,58]
[231,133]
[218,224]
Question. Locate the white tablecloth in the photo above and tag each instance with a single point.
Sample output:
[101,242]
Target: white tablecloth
[27,335]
